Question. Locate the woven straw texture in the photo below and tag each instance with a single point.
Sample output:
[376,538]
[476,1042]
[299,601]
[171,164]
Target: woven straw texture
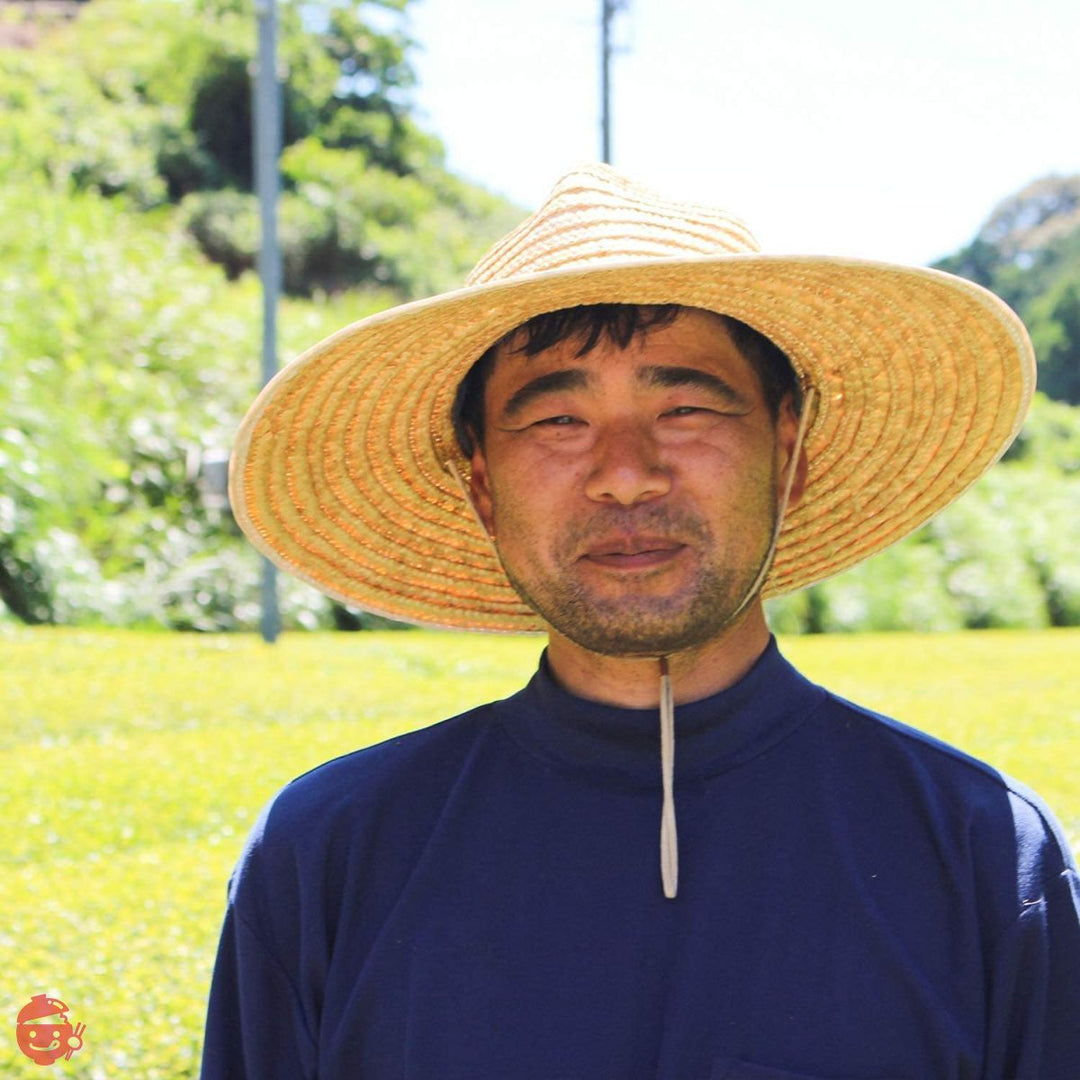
[340,473]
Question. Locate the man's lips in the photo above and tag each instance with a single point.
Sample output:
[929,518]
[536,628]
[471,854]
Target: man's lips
[638,553]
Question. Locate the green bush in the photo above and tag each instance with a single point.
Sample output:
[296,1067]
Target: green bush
[1003,555]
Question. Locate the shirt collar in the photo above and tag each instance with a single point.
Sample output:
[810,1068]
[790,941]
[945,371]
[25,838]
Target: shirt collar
[712,735]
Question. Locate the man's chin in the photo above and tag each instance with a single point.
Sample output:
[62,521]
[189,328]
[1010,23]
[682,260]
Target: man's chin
[638,623]
[636,637]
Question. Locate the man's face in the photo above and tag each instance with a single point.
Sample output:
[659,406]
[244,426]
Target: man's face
[632,493]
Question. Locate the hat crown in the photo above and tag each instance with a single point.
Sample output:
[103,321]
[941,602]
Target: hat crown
[595,216]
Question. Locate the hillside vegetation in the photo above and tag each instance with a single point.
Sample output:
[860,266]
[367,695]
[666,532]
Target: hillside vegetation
[1028,252]
[129,317]
[129,320]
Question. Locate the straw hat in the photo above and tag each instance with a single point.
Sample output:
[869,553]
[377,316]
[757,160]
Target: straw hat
[342,473]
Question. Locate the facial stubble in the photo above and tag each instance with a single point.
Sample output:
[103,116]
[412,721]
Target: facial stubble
[650,621]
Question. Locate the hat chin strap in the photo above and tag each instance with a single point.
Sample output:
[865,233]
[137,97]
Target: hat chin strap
[781,510]
[669,838]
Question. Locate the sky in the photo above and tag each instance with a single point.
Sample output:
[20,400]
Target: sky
[839,127]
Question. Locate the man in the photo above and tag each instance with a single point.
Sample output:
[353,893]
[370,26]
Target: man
[669,856]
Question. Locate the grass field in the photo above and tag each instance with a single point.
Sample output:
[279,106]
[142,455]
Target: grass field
[133,765]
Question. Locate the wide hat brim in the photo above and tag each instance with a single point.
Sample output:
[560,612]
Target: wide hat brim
[340,470]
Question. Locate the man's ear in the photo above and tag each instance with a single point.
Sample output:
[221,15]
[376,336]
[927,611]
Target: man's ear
[480,490]
[787,433]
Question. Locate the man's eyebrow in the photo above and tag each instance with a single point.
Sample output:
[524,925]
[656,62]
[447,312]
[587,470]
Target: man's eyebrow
[551,383]
[665,375]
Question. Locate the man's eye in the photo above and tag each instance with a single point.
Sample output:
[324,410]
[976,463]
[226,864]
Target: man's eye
[685,410]
[557,421]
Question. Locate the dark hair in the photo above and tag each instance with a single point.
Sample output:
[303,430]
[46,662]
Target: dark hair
[619,324]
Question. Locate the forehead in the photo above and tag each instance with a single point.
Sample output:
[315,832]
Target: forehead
[694,337]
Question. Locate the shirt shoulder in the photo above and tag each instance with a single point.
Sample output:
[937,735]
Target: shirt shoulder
[403,769]
[373,808]
[997,812]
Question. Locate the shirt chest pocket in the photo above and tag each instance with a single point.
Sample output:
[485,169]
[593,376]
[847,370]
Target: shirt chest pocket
[743,1070]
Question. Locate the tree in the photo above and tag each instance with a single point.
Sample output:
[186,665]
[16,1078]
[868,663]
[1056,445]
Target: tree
[1030,220]
[126,358]
[1055,329]
[1028,252]
[150,101]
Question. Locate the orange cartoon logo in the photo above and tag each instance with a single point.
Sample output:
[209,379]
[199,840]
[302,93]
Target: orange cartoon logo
[44,1032]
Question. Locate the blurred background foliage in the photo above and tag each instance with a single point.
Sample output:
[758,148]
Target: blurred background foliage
[129,317]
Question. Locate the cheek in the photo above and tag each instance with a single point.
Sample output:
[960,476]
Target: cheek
[515,514]
[533,490]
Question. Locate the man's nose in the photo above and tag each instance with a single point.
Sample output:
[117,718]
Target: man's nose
[626,468]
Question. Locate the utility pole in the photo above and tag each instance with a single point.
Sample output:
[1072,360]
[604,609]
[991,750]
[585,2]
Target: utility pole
[267,112]
[607,13]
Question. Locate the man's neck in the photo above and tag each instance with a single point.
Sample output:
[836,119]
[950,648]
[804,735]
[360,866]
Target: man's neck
[634,682]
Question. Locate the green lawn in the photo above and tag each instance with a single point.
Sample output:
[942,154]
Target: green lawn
[133,764]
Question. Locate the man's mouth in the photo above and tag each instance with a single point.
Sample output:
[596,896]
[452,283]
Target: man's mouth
[633,553]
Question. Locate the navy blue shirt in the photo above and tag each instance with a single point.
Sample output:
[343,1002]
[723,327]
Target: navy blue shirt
[481,900]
